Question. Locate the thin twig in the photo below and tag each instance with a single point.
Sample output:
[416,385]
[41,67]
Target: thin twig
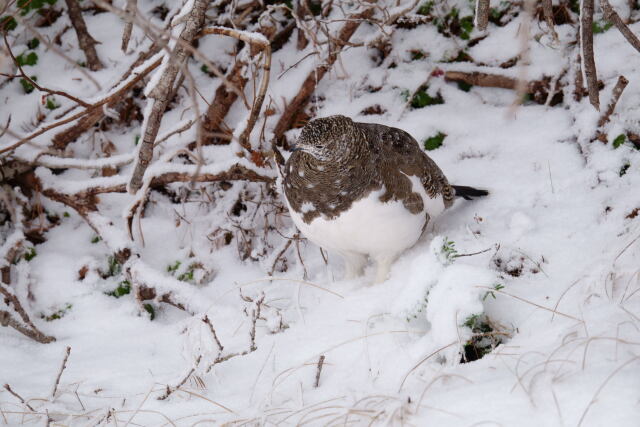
[8,388]
[64,365]
[319,370]
[34,83]
[130,9]
[206,320]
[170,390]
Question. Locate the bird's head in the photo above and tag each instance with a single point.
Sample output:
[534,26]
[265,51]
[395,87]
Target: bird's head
[329,138]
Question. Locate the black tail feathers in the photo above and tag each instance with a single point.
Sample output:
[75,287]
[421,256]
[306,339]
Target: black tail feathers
[469,193]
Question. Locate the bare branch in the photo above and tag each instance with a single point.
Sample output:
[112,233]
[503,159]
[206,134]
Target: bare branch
[586,44]
[87,43]
[298,103]
[10,390]
[159,94]
[319,370]
[34,83]
[482,14]
[64,365]
[612,16]
[130,9]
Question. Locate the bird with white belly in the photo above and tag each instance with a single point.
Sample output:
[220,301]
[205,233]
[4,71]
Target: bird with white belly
[364,190]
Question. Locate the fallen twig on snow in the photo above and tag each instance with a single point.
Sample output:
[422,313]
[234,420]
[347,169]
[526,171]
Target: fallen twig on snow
[64,365]
[16,395]
[319,370]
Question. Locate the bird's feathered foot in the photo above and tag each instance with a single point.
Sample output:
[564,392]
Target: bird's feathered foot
[469,193]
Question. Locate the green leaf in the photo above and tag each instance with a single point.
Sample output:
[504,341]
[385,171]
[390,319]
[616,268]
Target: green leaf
[422,99]
[26,85]
[8,23]
[464,86]
[425,8]
[31,59]
[186,277]
[96,239]
[435,141]
[173,267]
[30,254]
[124,288]
[66,214]
[51,103]
[149,309]
[136,140]
[33,43]
[599,28]
[620,139]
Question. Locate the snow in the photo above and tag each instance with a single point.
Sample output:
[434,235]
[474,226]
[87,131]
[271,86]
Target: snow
[558,226]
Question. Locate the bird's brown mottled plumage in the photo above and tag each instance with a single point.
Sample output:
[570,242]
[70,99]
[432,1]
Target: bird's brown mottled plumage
[364,158]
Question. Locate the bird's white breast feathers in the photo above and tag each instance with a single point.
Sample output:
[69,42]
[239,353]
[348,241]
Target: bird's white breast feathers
[370,226]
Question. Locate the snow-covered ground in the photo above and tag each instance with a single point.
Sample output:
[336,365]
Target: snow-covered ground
[560,275]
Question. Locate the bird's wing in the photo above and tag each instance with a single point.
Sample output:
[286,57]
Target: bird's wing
[398,153]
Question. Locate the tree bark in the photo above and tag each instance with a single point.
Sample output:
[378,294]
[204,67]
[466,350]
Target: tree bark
[86,42]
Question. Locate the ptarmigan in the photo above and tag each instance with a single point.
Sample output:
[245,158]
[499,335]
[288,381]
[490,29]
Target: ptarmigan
[363,189]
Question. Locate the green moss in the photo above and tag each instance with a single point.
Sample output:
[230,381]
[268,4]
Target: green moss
[30,254]
[124,288]
[425,8]
[33,43]
[434,142]
[422,99]
[173,267]
[58,314]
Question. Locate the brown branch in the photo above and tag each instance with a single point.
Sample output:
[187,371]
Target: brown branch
[206,320]
[107,100]
[86,42]
[8,388]
[482,14]
[130,9]
[266,68]
[170,390]
[7,320]
[612,16]
[11,299]
[319,370]
[255,315]
[298,103]
[159,94]
[34,83]
[621,84]
[64,365]
[588,61]
[95,113]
